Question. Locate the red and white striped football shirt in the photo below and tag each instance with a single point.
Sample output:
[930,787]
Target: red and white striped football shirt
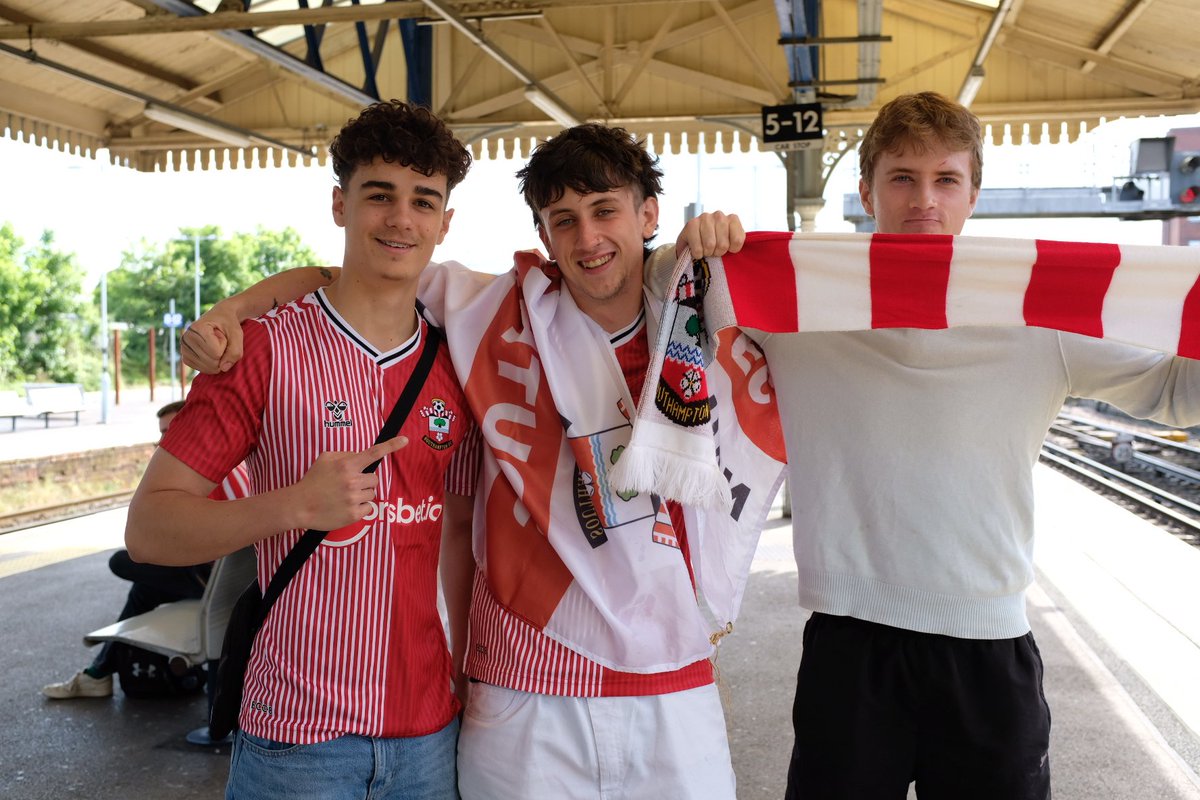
[355,643]
[233,486]
[504,650]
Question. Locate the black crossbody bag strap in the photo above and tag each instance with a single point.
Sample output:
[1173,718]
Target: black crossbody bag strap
[312,538]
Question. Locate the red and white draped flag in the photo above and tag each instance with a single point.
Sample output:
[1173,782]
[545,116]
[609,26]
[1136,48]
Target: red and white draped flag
[597,570]
[791,283]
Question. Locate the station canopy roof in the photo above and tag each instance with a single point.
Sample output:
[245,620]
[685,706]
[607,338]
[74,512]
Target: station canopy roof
[164,84]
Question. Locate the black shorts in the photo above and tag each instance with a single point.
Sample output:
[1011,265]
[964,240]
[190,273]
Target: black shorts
[879,707]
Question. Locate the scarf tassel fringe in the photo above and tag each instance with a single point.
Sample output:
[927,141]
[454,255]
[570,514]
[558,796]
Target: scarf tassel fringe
[691,482]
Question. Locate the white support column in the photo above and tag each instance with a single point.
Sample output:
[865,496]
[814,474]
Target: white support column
[805,186]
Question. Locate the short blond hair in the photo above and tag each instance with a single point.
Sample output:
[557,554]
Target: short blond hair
[918,121]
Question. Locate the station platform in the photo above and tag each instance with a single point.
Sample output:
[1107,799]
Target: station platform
[132,421]
[1112,609]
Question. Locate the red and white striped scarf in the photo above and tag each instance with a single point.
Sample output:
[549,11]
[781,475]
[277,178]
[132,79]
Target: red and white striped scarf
[791,283]
[595,569]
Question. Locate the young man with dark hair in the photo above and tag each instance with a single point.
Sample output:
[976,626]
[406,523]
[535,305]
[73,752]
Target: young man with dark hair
[910,458]
[588,653]
[349,687]
[591,726]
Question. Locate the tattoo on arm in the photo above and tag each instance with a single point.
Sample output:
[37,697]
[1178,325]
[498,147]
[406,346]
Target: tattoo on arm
[326,274]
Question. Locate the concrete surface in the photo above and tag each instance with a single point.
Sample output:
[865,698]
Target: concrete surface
[131,422]
[1113,612]
[54,587]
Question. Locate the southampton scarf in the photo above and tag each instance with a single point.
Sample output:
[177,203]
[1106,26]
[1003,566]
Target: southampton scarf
[596,569]
[785,283]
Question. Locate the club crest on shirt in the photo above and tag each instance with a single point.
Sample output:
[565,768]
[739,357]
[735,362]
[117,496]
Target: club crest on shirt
[337,410]
[441,420]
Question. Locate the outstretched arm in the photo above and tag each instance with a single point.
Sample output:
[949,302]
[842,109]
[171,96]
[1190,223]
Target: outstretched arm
[213,343]
[709,234]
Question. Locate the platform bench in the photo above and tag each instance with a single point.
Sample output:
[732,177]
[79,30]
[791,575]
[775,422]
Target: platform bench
[45,399]
[12,406]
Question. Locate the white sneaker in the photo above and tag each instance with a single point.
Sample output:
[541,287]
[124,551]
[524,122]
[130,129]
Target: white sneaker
[80,685]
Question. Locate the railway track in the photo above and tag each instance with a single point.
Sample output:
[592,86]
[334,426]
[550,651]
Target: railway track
[29,518]
[1160,480]
[1151,476]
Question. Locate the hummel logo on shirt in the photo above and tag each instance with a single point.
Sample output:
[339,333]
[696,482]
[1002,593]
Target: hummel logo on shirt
[337,409]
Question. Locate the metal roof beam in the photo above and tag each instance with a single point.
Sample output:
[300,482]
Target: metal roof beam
[573,45]
[190,19]
[312,39]
[684,75]
[1124,73]
[897,78]
[187,18]
[974,78]
[28,102]
[575,67]
[944,17]
[534,88]
[135,65]
[273,54]
[646,51]
[764,72]
[1119,29]
[134,94]
[370,65]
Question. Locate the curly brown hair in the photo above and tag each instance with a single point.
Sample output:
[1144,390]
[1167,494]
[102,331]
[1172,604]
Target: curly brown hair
[588,158]
[399,133]
[919,121]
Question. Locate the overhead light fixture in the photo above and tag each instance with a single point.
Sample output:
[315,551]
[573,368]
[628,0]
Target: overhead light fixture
[552,106]
[197,124]
[970,87]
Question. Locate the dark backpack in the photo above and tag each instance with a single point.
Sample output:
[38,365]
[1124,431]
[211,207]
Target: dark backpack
[146,674]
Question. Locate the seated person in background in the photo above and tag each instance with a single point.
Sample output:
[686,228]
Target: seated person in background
[152,586]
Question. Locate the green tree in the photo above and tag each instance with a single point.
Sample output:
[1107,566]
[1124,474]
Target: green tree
[60,341]
[16,308]
[46,327]
[153,274]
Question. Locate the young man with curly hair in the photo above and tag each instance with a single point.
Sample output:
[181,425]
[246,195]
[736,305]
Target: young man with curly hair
[349,688]
[595,720]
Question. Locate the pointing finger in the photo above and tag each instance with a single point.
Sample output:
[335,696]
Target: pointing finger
[378,452]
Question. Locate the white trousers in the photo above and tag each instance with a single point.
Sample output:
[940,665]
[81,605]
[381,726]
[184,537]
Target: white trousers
[521,746]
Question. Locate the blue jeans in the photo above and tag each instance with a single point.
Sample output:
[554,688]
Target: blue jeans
[347,768]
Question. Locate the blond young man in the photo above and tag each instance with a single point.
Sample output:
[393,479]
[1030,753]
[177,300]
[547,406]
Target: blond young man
[910,459]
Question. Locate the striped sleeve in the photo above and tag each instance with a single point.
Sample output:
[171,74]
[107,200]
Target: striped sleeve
[233,486]
[462,474]
[221,422]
